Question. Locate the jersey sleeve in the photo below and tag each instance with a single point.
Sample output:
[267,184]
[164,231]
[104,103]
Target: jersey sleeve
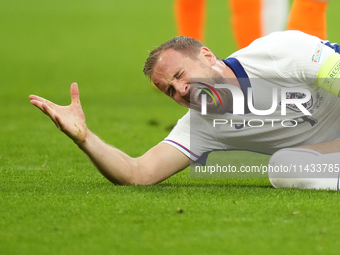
[196,141]
[179,137]
[298,56]
[290,55]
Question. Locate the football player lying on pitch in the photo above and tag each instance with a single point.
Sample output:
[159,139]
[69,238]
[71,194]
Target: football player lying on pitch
[289,59]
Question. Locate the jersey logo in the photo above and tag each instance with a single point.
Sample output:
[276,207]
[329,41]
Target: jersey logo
[317,54]
[298,95]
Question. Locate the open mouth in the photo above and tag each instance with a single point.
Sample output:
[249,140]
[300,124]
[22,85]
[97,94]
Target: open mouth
[196,96]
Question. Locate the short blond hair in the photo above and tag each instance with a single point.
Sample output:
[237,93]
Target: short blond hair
[186,45]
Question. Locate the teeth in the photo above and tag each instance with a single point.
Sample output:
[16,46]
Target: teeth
[197,93]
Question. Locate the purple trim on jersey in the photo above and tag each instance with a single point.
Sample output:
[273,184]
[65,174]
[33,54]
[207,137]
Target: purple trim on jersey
[203,159]
[182,147]
[241,76]
[333,46]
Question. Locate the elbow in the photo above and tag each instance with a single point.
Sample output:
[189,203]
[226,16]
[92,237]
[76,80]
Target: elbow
[142,181]
[136,174]
[135,178]
[136,182]
[143,178]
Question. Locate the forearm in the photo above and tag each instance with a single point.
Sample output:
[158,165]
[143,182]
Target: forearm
[114,164]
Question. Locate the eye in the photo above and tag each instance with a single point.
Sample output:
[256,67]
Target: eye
[179,75]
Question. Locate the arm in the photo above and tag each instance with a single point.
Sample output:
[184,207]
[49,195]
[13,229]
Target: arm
[328,75]
[157,164]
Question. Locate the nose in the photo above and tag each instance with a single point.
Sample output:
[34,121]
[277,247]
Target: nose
[181,87]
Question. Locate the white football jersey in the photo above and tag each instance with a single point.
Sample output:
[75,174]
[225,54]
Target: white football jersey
[289,59]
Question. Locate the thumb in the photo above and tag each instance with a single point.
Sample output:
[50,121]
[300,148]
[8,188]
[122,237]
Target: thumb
[74,93]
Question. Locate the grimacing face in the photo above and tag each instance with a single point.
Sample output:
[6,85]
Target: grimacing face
[180,77]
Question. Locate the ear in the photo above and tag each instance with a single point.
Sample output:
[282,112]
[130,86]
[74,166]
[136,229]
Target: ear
[208,55]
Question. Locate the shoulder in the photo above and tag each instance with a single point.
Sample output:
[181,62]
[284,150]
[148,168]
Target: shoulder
[284,41]
[289,36]
[284,54]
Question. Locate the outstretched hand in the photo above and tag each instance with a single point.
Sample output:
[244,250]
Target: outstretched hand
[69,119]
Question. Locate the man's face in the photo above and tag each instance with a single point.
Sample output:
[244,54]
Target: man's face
[175,74]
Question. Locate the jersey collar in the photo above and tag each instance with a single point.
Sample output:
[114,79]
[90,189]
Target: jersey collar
[241,76]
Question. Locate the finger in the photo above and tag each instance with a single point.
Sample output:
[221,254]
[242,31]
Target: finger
[38,104]
[58,121]
[45,109]
[36,97]
[49,112]
[40,99]
[74,93]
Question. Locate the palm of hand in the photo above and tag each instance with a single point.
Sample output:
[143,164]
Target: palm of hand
[69,119]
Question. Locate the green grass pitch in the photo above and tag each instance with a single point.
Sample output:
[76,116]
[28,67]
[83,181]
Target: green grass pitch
[53,201]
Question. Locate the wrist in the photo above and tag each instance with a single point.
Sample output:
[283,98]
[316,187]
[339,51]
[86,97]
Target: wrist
[82,139]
